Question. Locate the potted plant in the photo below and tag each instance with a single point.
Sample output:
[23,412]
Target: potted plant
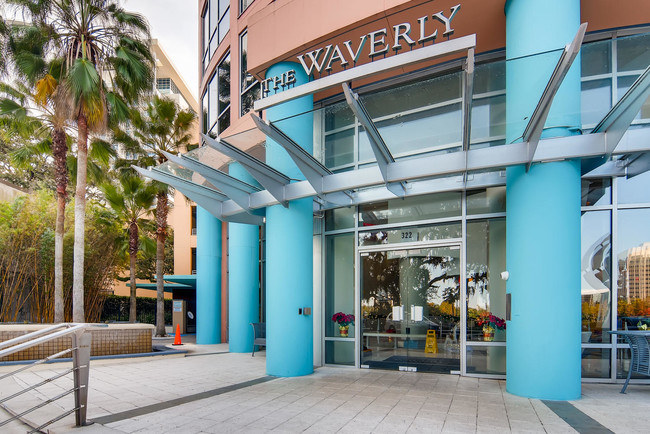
[490,323]
[344,320]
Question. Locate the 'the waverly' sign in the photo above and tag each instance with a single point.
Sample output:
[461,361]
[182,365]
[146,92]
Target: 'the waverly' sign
[324,59]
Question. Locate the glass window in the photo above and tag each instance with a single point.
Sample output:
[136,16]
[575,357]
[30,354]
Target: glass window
[633,258]
[596,100]
[410,209]
[216,23]
[339,148]
[244,4]
[340,218]
[486,201]
[490,77]
[486,360]
[635,189]
[339,282]
[486,291]
[250,88]
[623,85]
[410,234]
[339,353]
[596,192]
[596,58]
[596,362]
[205,111]
[596,271]
[219,98]
[488,117]
[633,52]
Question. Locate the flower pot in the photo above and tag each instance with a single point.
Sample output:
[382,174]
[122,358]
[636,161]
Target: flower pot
[488,333]
[343,331]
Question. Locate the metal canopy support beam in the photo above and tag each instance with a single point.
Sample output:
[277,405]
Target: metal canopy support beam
[377,144]
[308,165]
[238,191]
[363,71]
[210,200]
[535,127]
[369,179]
[619,118]
[274,181]
[467,104]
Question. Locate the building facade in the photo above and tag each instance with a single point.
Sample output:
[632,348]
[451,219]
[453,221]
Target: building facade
[435,169]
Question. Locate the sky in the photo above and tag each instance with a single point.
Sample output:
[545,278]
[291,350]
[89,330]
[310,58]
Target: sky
[175,24]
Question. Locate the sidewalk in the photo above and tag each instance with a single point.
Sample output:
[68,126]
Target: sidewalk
[214,391]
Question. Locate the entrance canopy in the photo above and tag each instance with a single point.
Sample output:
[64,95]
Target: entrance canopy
[609,149]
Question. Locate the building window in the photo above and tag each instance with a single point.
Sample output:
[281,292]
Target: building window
[216,100]
[193,264]
[250,88]
[243,5]
[193,224]
[166,85]
[216,23]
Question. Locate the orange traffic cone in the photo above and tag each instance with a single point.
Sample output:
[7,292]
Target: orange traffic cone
[177,338]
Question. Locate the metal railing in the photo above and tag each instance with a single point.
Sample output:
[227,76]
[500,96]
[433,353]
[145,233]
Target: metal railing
[80,350]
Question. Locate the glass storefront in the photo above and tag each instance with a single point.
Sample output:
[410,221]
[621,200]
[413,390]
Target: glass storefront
[421,274]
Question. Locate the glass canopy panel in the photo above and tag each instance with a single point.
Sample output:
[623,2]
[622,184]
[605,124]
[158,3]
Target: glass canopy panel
[209,156]
[247,140]
[538,70]
[183,173]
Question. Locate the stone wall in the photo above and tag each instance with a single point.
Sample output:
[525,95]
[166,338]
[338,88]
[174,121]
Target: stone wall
[106,340]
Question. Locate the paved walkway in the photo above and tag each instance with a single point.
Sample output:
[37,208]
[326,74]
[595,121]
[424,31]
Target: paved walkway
[214,391]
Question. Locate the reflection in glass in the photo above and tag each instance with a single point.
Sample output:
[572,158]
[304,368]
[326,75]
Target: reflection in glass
[340,218]
[623,85]
[339,148]
[596,191]
[339,281]
[596,362]
[488,117]
[596,272]
[633,52]
[489,200]
[633,258]
[486,360]
[410,234]
[596,58]
[596,100]
[406,293]
[486,259]
[410,209]
[635,189]
[339,353]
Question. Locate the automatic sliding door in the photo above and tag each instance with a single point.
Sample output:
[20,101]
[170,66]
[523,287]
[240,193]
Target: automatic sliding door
[407,296]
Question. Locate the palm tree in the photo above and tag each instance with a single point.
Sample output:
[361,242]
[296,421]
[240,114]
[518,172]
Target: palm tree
[131,202]
[107,65]
[36,97]
[161,127]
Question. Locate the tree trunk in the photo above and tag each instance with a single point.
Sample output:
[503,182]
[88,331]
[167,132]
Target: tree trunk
[133,254]
[80,221]
[60,151]
[162,208]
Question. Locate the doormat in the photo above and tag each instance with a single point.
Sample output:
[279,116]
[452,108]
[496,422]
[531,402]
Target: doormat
[424,364]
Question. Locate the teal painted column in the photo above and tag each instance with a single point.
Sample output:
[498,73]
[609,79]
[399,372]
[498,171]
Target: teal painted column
[243,276]
[208,278]
[543,210]
[289,246]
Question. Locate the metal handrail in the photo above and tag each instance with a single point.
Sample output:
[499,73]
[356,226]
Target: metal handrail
[80,349]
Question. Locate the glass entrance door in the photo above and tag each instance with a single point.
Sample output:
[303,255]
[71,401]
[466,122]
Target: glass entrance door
[410,309]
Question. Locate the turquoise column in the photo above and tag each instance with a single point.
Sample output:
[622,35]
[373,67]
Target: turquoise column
[543,210]
[208,278]
[289,246]
[243,276]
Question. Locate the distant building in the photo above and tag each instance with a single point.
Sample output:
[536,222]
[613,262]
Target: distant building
[637,282]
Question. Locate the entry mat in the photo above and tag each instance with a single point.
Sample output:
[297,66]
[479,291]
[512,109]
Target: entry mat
[424,364]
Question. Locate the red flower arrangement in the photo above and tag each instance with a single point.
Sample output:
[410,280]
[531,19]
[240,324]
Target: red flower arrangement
[343,319]
[486,318]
